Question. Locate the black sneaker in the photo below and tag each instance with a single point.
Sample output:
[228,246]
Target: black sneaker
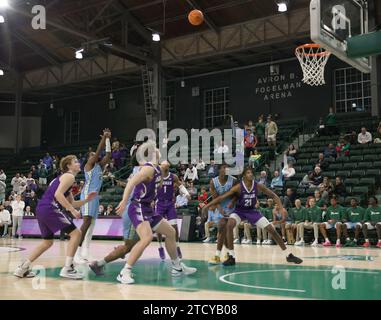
[230,261]
[292,258]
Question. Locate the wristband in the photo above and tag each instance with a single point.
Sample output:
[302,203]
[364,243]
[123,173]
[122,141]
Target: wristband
[108,145]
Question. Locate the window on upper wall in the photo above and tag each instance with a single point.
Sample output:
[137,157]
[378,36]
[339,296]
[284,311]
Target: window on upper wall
[352,90]
[169,105]
[216,106]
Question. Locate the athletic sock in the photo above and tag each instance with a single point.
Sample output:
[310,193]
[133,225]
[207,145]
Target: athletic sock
[218,253]
[302,239]
[26,264]
[366,240]
[68,262]
[326,239]
[348,239]
[232,253]
[127,267]
[176,263]
[355,240]
[101,263]
[338,241]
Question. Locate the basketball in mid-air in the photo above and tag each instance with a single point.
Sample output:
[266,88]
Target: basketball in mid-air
[195,17]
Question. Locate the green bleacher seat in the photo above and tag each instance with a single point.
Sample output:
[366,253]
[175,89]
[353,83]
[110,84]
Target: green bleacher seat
[356,152]
[335,166]
[303,162]
[292,184]
[360,190]
[343,173]
[377,164]
[342,159]
[371,157]
[365,165]
[356,158]
[329,174]
[370,182]
[351,181]
[373,172]
[350,165]
[357,173]
[306,168]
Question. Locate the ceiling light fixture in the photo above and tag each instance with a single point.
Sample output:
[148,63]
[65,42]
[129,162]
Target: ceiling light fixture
[2,19]
[4,3]
[79,54]
[1,72]
[155,37]
[282,6]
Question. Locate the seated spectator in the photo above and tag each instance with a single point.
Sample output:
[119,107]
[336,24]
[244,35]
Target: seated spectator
[289,199]
[222,148]
[23,184]
[372,221]
[322,162]
[109,210]
[31,200]
[317,178]
[28,212]
[181,201]
[339,188]
[290,153]
[115,144]
[191,189]
[101,210]
[3,186]
[48,161]
[214,217]
[326,186]
[330,122]
[330,151]
[212,170]
[43,175]
[307,181]
[191,173]
[288,170]
[202,197]
[263,179]
[5,219]
[277,181]
[364,136]
[254,158]
[250,142]
[260,130]
[342,148]
[321,128]
[320,201]
[16,183]
[200,165]
[378,135]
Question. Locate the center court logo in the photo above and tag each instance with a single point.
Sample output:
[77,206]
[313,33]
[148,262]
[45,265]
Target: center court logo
[227,146]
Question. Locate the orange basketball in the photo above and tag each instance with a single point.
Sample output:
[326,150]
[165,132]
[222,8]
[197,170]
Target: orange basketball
[195,17]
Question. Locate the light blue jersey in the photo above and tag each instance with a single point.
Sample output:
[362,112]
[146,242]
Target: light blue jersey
[93,183]
[221,189]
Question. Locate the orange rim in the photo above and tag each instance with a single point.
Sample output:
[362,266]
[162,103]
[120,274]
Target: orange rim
[312,46]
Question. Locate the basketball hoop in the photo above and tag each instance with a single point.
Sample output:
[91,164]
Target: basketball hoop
[313,59]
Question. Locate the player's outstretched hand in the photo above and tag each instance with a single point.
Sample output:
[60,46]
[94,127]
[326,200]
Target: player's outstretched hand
[91,196]
[120,208]
[107,133]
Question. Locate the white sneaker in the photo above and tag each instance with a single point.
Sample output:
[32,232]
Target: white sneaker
[265,242]
[126,277]
[270,242]
[184,270]
[78,259]
[71,273]
[258,242]
[236,241]
[207,240]
[314,244]
[299,243]
[23,272]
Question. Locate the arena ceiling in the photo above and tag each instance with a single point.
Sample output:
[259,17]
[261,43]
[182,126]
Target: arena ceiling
[128,24]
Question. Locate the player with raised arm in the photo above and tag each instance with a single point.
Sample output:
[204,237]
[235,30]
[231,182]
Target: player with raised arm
[51,218]
[246,193]
[93,183]
[165,205]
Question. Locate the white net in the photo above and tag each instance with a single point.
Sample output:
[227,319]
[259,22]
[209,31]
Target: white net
[313,59]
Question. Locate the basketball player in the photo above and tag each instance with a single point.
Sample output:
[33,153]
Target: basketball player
[334,216]
[165,205]
[144,217]
[50,217]
[218,186]
[129,233]
[246,193]
[93,183]
[372,218]
[354,217]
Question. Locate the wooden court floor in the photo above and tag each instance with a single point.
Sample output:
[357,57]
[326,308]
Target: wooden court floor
[261,273]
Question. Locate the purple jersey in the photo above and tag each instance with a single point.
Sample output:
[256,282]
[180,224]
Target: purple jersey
[247,199]
[48,199]
[167,191]
[146,192]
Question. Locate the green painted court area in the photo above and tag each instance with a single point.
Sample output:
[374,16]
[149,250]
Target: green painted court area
[303,282]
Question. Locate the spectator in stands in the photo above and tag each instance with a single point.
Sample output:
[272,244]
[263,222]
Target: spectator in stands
[202,197]
[115,144]
[222,148]
[291,153]
[364,136]
[254,159]
[5,219]
[16,183]
[322,162]
[339,187]
[3,176]
[214,217]
[43,175]
[289,199]
[28,212]
[31,183]
[330,151]
[48,161]
[317,178]
[320,201]
[377,138]
[23,184]
[17,216]
[343,148]
[307,181]
[101,210]
[297,215]
[31,200]
[277,181]
[321,128]
[250,142]
[109,173]
[181,201]
[326,188]
[191,189]
[263,179]
[372,220]
[191,173]
[288,170]
[3,186]
[200,165]
[260,127]
[271,132]
[117,156]
[330,122]
[110,210]
[212,170]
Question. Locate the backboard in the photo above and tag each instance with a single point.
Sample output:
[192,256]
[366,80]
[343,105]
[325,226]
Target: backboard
[334,21]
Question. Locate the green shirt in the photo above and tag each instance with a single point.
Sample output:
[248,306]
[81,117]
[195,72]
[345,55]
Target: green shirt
[298,215]
[335,213]
[268,213]
[330,119]
[320,203]
[314,214]
[355,214]
[260,128]
[373,214]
